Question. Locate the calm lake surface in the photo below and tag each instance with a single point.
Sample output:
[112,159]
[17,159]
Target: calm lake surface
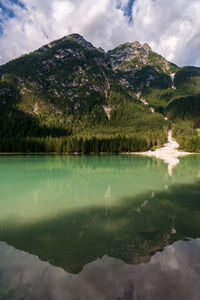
[99,227]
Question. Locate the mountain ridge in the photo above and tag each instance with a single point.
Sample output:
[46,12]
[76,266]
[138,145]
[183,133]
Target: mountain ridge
[71,88]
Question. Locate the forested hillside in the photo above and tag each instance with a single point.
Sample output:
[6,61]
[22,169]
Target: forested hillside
[69,96]
[164,87]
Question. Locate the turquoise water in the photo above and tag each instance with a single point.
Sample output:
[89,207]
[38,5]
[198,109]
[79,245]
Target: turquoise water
[71,212]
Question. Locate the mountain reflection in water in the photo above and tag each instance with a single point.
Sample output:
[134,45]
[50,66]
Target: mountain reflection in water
[171,274]
[132,230]
[67,212]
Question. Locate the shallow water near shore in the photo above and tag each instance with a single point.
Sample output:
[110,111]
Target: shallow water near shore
[105,224]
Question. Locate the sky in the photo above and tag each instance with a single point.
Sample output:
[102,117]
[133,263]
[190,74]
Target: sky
[171,28]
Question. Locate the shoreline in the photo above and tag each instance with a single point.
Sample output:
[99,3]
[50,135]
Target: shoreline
[168,153]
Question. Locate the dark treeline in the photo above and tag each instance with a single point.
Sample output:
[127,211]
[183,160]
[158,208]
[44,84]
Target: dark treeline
[187,136]
[110,144]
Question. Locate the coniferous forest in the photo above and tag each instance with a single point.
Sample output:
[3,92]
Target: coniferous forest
[118,144]
[68,96]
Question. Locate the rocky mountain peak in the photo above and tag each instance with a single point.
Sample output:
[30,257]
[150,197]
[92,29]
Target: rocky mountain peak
[147,47]
[127,52]
[101,50]
[136,44]
[75,36]
[80,39]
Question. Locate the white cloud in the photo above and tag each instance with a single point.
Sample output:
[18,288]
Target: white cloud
[173,272]
[61,10]
[44,21]
[171,28]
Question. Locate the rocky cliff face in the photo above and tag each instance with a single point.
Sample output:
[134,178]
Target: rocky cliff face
[128,52]
[69,83]
[68,71]
[61,83]
[139,67]
[66,74]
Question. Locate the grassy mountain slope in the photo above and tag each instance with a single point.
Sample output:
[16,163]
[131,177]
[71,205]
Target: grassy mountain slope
[58,84]
[162,84]
[69,88]
[147,73]
[168,89]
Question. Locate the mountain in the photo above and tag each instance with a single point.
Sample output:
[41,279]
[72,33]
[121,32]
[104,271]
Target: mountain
[164,87]
[161,83]
[142,70]
[69,88]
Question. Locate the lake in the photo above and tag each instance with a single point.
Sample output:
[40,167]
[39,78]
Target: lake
[99,227]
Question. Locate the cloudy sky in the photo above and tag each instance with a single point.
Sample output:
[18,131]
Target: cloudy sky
[172,28]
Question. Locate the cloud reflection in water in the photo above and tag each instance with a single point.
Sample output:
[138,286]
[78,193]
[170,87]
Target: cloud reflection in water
[171,274]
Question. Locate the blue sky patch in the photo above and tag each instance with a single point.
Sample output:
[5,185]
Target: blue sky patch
[7,11]
[127,10]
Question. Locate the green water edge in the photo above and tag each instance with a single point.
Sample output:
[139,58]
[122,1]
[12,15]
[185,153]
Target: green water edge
[69,210]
